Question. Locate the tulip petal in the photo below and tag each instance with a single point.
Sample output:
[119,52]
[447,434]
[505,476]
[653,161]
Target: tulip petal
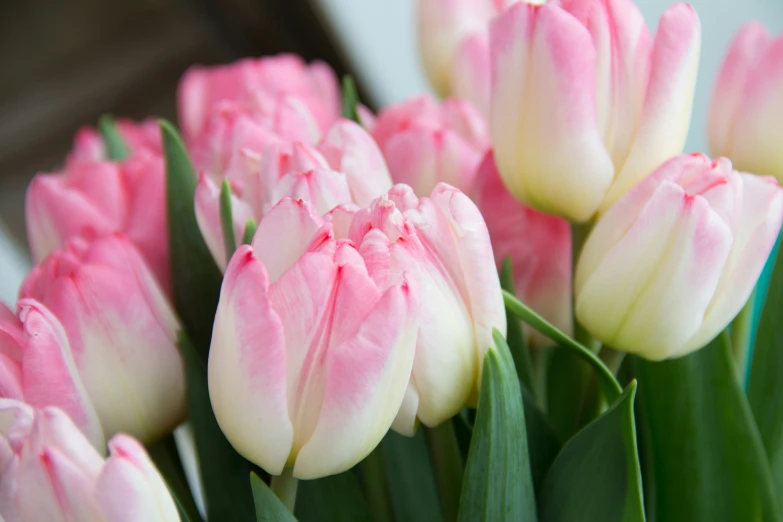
[284,234]
[470,71]
[324,189]
[130,489]
[543,112]
[665,119]
[729,95]
[49,372]
[350,149]
[207,207]
[247,366]
[365,382]
[759,224]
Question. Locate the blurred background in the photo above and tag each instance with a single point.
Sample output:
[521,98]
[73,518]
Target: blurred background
[64,63]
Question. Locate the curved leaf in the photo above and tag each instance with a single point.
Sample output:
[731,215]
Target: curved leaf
[497,483]
[337,498]
[268,507]
[596,476]
[708,462]
[116,148]
[411,478]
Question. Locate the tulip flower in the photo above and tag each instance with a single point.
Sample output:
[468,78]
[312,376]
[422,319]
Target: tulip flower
[121,331]
[345,167]
[50,472]
[538,245]
[454,45]
[88,145]
[426,143]
[311,352]
[38,367]
[443,241]
[746,108]
[585,103]
[675,259]
[202,88]
[102,197]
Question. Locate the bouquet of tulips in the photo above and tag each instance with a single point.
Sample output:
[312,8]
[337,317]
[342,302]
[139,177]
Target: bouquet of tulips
[521,302]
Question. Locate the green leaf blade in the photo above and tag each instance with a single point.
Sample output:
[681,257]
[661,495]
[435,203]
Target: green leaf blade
[593,468]
[708,462]
[268,508]
[498,484]
[350,99]
[227,220]
[337,498]
[116,148]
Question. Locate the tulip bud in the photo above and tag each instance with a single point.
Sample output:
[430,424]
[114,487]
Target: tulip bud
[674,260]
[89,145]
[310,357]
[538,245]
[426,143]
[102,197]
[52,473]
[585,103]
[202,88]
[38,367]
[122,332]
[746,108]
[345,167]
[443,242]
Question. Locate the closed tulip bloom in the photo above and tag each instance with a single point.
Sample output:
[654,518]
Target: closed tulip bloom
[311,353]
[202,88]
[121,330]
[674,260]
[345,167]
[585,103]
[51,472]
[426,142]
[747,107]
[538,244]
[102,197]
[89,145]
[444,242]
[37,366]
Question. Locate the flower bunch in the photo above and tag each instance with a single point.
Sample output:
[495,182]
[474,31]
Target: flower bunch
[442,311]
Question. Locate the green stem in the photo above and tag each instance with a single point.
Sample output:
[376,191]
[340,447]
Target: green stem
[579,234]
[540,363]
[448,467]
[611,388]
[284,486]
[613,359]
[375,487]
[166,458]
[740,336]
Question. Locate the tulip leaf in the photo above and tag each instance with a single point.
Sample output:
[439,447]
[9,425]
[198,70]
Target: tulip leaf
[337,498]
[410,477]
[497,483]
[515,338]
[609,385]
[708,461]
[227,220]
[223,470]
[268,507]
[116,148]
[596,476]
[195,276]
[542,442]
[765,389]
[250,231]
[350,99]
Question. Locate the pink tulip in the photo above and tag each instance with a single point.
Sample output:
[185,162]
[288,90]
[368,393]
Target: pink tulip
[426,143]
[202,88]
[453,39]
[49,471]
[538,244]
[88,145]
[746,108]
[311,353]
[585,103]
[346,167]
[121,331]
[102,197]
[443,242]
[37,366]
[675,259]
